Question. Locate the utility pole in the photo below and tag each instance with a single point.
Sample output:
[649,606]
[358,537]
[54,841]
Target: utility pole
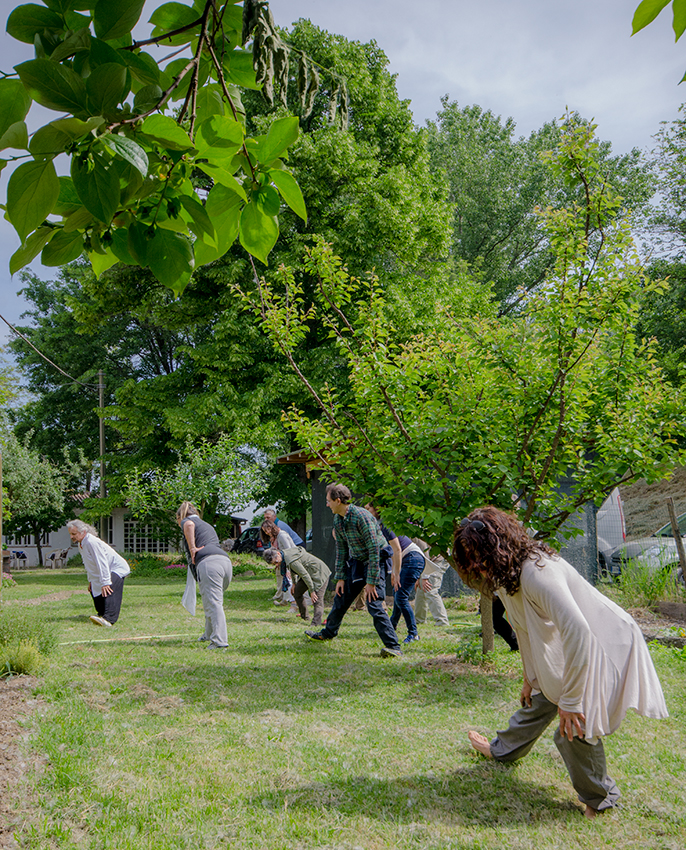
[101,391]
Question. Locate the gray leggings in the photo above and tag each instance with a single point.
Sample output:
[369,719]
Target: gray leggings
[214,576]
[585,762]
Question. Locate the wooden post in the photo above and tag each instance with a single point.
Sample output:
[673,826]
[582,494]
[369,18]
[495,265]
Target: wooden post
[487,634]
[677,535]
[2,548]
[101,392]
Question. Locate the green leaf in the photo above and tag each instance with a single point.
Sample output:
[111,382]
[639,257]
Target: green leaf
[290,191]
[49,141]
[120,246]
[68,200]
[199,221]
[116,18]
[163,129]
[62,248]
[32,192]
[76,21]
[107,87]
[143,67]
[137,243]
[103,53]
[240,69]
[146,99]
[16,136]
[128,150]
[53,86]
[219,137]
[224,209]
[282,133]
[646,12]
[30,249]
[173,16]
[77,220]
[102,262]
[209,102]
[258,231]
[98,188]
[27,20]
[221,175]
[78,42]
[77,129]
[170,257]
[679,20]
[14,103]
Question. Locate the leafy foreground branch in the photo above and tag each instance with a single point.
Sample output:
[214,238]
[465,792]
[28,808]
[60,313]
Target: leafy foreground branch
[480,409]
[131,196]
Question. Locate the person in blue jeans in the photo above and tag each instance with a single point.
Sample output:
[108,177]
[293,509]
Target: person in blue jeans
[408,565]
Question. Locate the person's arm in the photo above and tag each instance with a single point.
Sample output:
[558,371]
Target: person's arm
[99,559]
[189,534]
[340,569]
[397,561]
[296,566]
[369,533]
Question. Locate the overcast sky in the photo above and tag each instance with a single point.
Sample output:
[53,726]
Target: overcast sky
[528,59]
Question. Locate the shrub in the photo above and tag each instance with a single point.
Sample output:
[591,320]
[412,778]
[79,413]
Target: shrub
[19,624]
[641,585]
[22,657]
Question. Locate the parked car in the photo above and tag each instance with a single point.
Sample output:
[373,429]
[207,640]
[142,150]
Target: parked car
[249,542]
[657,551]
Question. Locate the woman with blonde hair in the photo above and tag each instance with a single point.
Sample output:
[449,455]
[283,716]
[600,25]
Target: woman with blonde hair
[106,571]
[211,568]
[585,660]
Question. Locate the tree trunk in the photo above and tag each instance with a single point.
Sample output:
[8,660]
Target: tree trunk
[37,537]
[487,634]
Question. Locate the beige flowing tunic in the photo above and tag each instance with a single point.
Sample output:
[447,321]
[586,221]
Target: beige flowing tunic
[583,652]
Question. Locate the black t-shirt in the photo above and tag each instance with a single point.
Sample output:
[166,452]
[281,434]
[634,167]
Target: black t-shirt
[206,537]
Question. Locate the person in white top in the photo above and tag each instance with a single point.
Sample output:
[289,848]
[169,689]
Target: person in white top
[585,660]
[106,571]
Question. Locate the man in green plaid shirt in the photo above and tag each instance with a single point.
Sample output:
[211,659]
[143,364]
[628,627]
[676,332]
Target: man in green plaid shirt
[359,542]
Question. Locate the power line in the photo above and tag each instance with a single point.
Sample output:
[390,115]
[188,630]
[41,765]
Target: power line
[47,359]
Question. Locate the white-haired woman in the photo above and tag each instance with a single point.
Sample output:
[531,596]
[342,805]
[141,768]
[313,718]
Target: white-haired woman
[106,571]
[211,568]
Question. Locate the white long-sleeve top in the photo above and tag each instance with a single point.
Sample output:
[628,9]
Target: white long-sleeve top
[583,652]
[100,561]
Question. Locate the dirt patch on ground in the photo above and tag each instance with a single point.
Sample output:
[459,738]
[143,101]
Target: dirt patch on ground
[645,505]
[16,704]
[49,597]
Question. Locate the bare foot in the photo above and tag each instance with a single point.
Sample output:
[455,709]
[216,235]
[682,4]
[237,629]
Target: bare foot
[590,813]
[480,744]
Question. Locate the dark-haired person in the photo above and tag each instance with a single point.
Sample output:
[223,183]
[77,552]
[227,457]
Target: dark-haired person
[313,576]
[211,568]
[281,540]
[359,542]
[585,660]
[270,516]
[106,571]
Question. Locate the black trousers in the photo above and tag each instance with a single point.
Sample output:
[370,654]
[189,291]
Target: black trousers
[108,606]
[340,606]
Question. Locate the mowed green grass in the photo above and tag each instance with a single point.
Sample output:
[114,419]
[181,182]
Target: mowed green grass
[279,742]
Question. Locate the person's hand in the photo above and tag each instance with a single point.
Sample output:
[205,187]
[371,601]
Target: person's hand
[89,587]
[107,590]
[370,592]
[525,696]
[340,587]
[395,580]
[426,585]
[570,722]
[193,551]
[313,596]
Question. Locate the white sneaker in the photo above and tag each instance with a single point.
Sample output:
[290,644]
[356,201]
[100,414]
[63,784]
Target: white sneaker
[99,621]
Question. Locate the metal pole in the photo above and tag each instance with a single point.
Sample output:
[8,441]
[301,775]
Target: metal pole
[101,392]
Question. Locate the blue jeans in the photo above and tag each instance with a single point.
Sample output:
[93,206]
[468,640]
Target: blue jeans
[351,591]
[412,567]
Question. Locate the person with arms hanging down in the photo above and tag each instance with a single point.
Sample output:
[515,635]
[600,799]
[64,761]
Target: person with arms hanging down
[585,660]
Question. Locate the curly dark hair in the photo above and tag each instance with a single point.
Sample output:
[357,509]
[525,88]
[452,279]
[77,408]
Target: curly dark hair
[490,548]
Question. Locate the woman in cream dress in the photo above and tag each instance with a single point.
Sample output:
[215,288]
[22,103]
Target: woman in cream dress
[585,660]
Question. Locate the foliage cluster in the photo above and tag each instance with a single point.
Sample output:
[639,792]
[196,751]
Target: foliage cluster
[27,637]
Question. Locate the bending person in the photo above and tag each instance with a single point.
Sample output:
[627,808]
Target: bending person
[106,571]
[585,660]
[211,568]
[313,576]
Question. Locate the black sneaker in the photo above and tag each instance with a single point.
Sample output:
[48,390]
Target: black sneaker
[317,636]
[389,652]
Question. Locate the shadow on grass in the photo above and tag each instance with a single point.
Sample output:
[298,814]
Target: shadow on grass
[487,795]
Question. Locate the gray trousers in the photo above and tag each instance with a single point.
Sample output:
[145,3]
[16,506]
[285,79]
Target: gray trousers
[214,576]
[585,762]
[432,599]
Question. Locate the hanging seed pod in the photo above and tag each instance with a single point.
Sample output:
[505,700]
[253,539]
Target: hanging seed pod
[311,93]
[268,85]
[303,77]
[260,54]
[344,114]
[281,68]
[333,103]
[252,10]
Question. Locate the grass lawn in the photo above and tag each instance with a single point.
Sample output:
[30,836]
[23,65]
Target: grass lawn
[279,742]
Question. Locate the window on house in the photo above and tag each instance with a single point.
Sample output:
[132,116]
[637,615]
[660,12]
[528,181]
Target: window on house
[143,538]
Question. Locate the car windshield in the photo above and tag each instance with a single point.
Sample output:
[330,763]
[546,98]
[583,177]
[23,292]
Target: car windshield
[666,530]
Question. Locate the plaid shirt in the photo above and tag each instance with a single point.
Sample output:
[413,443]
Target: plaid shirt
[358,536]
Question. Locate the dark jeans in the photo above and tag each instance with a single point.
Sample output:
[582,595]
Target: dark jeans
[412,567]
[341,604]
[108,606]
